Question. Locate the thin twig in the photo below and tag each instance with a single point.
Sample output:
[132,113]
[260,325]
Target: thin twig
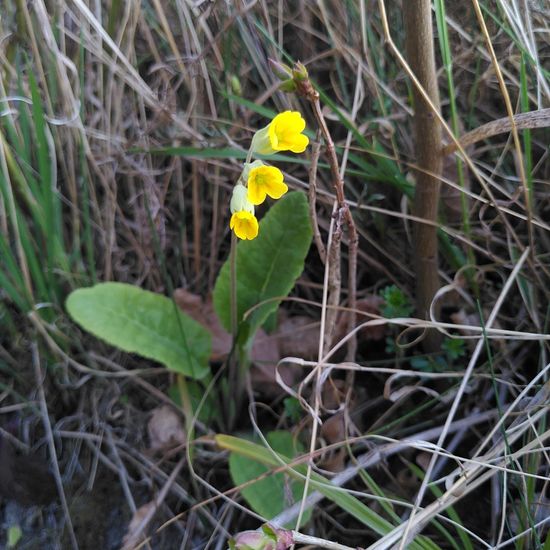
[334,280]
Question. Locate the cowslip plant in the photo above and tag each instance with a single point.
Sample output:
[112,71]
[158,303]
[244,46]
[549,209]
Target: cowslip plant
[257,180]
[271,267]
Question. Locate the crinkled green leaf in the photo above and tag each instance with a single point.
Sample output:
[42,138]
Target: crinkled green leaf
[268,266]
[142,322]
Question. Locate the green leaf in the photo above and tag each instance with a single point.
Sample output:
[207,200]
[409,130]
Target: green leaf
[268,266]
[142,322]
[272,494]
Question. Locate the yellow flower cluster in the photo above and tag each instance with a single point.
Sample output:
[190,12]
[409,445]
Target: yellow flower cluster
[258,181]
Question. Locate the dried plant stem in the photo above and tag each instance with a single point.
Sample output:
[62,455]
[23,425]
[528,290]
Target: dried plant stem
[312,194]
[334,282]
[522,121]
[420,52]
[536,266]
[344,217]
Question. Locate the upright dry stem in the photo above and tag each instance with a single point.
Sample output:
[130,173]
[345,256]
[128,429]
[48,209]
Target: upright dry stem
[344,217]
[420,53]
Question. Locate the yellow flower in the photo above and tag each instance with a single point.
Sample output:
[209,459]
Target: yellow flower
[244,224]
[283,133]
[243,221]
[265,180]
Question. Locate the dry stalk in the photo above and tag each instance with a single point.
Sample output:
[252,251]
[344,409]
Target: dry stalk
[522,121]
[420,52]
[334,281]
[344,217]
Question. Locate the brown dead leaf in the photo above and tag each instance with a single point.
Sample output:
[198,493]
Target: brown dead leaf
[203,313]
[334,460]
[298,336]
[264,355]
[334,428]
[369,304]
[165,429]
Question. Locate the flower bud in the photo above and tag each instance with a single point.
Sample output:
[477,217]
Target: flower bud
[266,539]
[239,200]
[253,540]
[236,85]
[299,71]
[280,70]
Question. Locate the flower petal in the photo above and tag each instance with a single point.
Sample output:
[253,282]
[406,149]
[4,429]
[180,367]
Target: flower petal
[276,189]
[299,143]
[256,192]
[245,225]
[285,132]
[252,228]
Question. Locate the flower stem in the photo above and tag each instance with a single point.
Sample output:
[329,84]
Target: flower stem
[185,398]
[233,283]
